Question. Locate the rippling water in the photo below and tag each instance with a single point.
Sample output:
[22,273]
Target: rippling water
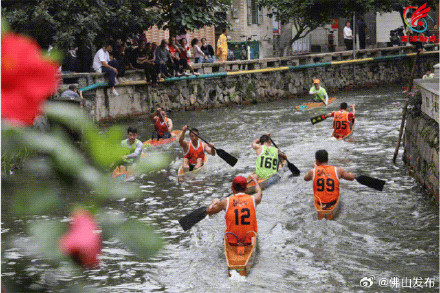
[393,233]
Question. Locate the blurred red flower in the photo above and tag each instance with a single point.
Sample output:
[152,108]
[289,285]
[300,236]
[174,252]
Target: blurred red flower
[28,78]
[83,241]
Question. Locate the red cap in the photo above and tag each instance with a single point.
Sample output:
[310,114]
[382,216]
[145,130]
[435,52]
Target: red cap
[239,180]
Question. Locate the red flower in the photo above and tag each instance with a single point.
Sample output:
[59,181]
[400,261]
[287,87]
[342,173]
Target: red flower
[27,78]
[82,242]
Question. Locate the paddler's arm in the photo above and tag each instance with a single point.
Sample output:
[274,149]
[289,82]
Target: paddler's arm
[258,195]
[281,155]
[344,174]
[309,175]
[216,206]
[182,141]
[170,125]
[354,110]
[155,115]
[209,148]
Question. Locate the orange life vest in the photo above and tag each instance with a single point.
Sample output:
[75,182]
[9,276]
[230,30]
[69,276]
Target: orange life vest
[341,124]
[194,153]
[241,218]
[161,127]
[325,183]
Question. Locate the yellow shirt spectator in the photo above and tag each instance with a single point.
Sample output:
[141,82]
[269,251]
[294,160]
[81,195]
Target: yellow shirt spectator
[222,46]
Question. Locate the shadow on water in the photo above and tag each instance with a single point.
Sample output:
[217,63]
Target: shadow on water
[386,234]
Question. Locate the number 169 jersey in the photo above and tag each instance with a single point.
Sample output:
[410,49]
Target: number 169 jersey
[241,218]
[326,183]
[267,162]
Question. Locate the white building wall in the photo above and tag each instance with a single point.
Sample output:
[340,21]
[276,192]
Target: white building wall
[384,23]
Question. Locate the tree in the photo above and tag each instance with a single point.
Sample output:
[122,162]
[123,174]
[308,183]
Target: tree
[180,16]
[307,15]
[69,22]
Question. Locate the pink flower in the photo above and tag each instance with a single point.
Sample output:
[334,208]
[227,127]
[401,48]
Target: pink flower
[28,78]
[82,242]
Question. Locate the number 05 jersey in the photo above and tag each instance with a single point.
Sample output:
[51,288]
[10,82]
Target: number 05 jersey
[241,218]
[325,183]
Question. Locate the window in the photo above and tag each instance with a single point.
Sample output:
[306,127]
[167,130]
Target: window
[254,13]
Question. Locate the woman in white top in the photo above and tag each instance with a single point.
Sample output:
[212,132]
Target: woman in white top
[198,53]
[348,36]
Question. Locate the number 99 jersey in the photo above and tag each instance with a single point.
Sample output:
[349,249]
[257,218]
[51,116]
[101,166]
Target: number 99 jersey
[325,183]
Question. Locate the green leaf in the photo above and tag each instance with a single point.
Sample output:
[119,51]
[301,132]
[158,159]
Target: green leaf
[5,26]
[105,149]
[152,163]
[32,200]
[47,234]
[69,115]
[137,236]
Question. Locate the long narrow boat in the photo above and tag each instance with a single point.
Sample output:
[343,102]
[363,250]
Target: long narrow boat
[264,183]
[151,142]
[240,257]
[123,172]
[182,176]
[311,105]
[327,213]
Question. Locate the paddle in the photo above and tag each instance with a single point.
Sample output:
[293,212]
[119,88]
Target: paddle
[295,171]
[221,153]
[318,118]
[196,216]
[371,182]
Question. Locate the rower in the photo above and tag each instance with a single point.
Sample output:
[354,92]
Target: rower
[319,93]
[194,150]
[326,179]
[240,211]
[343,121]
[133,144]
[162,125]
[268,157]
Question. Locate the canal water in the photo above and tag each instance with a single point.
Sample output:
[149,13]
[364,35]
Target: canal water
[388,239]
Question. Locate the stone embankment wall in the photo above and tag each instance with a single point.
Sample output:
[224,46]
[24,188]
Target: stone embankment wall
[421,142]
[257,81]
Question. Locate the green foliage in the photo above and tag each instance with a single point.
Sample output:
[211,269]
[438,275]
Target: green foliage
[135,235]
[59,164]
[69,22]
[307,15]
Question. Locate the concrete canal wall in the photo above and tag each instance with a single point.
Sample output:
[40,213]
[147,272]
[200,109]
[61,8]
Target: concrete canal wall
[421,141]
[257,81]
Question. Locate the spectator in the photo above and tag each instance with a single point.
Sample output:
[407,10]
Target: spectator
[152,67]
[72,93]
[198,53]
[175,56]
[141,55]
[122,60]
[163,57]
[130,52]
[208,50]
[222,46]
[185,53]
[231,57]
[103,64]
[428,74]
[243,55]
[348,36]
[362,31]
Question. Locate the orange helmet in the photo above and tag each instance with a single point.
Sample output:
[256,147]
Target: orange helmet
[316,81]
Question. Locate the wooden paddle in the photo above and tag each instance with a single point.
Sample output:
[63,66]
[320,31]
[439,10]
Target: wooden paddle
[295,171]
[231,160]
[196,216]
[371,182]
